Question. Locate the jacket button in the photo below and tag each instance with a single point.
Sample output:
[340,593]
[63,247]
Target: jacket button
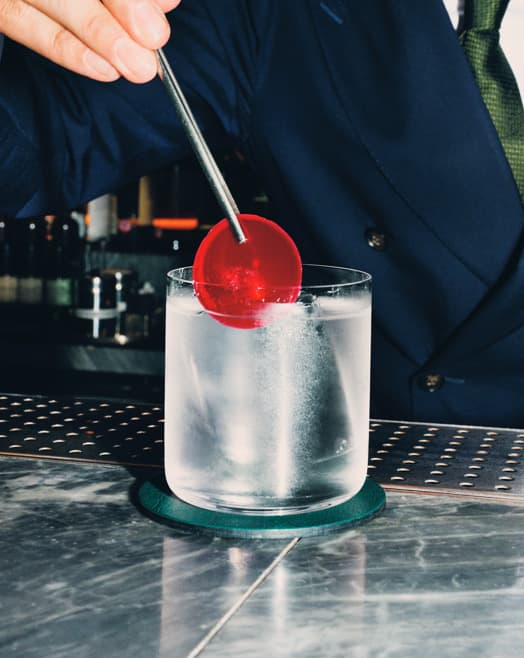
[375,239]
[431,383]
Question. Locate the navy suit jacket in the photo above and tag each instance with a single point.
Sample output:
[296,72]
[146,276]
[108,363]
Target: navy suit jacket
[356,116]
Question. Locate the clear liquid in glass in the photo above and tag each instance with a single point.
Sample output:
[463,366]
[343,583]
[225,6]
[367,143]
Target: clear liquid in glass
[268,420]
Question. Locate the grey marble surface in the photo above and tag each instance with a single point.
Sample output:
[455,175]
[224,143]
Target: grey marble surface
[83,573]
[432,577]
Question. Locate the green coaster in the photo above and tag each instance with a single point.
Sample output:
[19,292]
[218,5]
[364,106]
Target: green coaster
[158,502]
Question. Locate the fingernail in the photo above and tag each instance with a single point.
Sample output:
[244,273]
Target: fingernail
[150,24]
[134,60]
[99,66]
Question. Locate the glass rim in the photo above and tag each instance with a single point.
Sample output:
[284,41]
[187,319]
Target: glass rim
[175,276]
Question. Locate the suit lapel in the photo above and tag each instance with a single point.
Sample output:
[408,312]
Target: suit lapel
[497,317]
[407,88]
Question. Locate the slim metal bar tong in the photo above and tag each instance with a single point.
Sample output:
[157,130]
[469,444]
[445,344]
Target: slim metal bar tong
[200,147]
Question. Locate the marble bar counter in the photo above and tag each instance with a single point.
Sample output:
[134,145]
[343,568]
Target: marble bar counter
[84,573]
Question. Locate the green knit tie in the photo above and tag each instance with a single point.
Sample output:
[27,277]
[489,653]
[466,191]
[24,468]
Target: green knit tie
[480,39]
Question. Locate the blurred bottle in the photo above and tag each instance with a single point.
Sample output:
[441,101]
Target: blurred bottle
[30,250]
[96,313]
[8,279]
[141,310]
[136,205]
[62,266]
[146,202]
[178,208]
[102,218]
[125,282]
[161,213]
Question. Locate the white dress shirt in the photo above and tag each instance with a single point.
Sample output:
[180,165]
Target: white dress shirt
[511,34]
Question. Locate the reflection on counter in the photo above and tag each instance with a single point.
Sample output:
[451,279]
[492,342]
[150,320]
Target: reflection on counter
[433,576]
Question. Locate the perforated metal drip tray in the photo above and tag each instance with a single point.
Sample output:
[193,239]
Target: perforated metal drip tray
[471,461]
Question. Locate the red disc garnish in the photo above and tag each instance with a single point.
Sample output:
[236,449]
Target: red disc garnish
[239,283]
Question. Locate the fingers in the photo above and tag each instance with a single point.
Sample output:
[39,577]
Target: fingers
[142,19]
[100,40]
[122,32]
[50,39]
[167,5]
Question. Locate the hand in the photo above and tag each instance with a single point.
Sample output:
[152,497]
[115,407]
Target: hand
[99,39]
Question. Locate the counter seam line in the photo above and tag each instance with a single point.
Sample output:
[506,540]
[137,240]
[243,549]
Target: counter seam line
[250,590]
